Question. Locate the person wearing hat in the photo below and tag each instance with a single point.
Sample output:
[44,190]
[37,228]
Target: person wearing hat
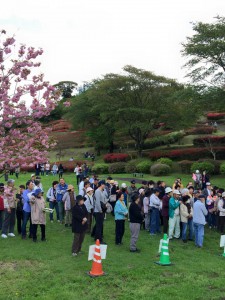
[69,200]
[165,208]
[221,209]
[1,204]
[174,215]
[199,214]
[99,211]
[136,219]
[32,177]
[79,224]
[154,209]
[89,203]
[38,217]
[121,213]
[186,215]
[9,209]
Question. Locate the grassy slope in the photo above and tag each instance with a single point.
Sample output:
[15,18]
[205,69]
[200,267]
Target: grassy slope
[47,270]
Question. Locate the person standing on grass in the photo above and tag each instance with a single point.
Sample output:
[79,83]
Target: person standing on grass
[154,216]
[165,208]
[38,216]
[221,209]
[10,209]
[146,207]
[1,204]
[174,215]
[60,191]
[121,213]
[53,204]
[186,214]
[136,219]
[17,171]
[54,169]
[200,212]
[69,200]
[77,171]
[60,171]
[79,224]
[47,168]
[89,203]
[27,209]
[19,208]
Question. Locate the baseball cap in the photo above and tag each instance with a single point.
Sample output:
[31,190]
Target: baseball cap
[133,182]
[176,192]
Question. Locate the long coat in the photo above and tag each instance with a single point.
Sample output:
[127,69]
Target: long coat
[37,214]
[78,213]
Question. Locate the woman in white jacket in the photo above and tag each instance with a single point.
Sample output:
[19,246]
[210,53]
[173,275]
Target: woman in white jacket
[51,198]
[221,208]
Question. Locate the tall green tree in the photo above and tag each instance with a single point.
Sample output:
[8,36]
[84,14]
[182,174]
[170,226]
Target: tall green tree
[205,51]
[66,88]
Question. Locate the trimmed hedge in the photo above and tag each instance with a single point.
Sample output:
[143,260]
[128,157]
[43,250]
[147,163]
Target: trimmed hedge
[165,161]
[144,166]
[222,168]
[160,169]
[214,140]
[168,139]
[215,116]
[201,130]
[202,166]
[100,168]
[185,166]
[116,157]
[117,168]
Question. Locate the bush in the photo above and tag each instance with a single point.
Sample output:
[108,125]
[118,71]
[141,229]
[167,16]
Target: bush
[201,130]
[160,169]
[116,157]
[100,168]
[117,168]
[165,161]
[144,166]
[185,166]
[202,166]
[222,168]
[215,116]
[214,140]
[216,164]
[168,139]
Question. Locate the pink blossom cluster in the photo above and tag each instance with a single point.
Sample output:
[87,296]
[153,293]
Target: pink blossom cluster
[23,140]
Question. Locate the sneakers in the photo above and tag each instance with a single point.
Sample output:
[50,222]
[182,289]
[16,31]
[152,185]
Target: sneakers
[74,254]
[4,236]
[11,234]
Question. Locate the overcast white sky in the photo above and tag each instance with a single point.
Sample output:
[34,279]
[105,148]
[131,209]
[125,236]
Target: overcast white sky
[84,39]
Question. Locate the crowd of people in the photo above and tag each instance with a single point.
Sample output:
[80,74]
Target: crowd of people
[181,212]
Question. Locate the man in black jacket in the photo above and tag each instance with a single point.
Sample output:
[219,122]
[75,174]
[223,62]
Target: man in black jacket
[79,224]
[136,218]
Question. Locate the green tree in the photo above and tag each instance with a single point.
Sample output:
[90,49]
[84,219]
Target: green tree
[205,51]
[66,88]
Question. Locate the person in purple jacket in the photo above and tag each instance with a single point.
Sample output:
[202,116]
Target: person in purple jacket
[165,208]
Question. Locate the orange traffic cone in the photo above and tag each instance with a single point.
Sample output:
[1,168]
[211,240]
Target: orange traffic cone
[96,269]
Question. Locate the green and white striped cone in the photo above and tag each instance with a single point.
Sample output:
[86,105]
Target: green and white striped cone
[164,255]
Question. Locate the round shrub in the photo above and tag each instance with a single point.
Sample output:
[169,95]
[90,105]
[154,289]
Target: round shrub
[117,168]
[160,169]
[165,161]
[216,164]
[100,168]
[222,168]
[131,166]
[203,166]
[144,166]
[185,166]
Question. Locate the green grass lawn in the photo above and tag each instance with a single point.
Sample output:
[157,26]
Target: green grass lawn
[48,271]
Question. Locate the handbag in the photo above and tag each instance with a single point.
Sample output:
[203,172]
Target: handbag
[112,198]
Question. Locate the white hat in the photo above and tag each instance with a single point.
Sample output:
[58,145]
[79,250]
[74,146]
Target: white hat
[197,171]
[141,191]
[32,175]
[123,185]
[89,189]
[208,183]
[223,194]
[168,190]
[176,192]
[184,191]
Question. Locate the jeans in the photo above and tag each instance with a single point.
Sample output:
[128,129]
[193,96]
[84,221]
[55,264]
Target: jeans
[54,205]
[19,218]
[211,219]
[9,221]
[61,211]
[199,234]
[189,224]
[26,218]
[147,221]
[154,220]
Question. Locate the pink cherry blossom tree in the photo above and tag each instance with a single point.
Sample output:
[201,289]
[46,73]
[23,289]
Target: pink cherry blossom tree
[24,98]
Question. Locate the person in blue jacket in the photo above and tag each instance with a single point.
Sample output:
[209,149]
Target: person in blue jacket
[60,191]
[121,213]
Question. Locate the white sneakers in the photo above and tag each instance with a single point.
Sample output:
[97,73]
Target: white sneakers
[4,236]
[11,234]
[74,254]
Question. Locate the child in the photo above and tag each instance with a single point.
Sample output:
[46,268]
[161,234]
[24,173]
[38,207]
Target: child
[37,214]
[79,224]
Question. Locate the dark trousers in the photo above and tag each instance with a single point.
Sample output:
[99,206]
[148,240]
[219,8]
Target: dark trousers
[1,218]
[89,222]
[52,205]
[26,218]
[221,224]
[154,221]
[120,228]
[113,203]
[165,224]
[77,242]
[78,179]
[9,221]
[19,218]
[35,231]
[99,219]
